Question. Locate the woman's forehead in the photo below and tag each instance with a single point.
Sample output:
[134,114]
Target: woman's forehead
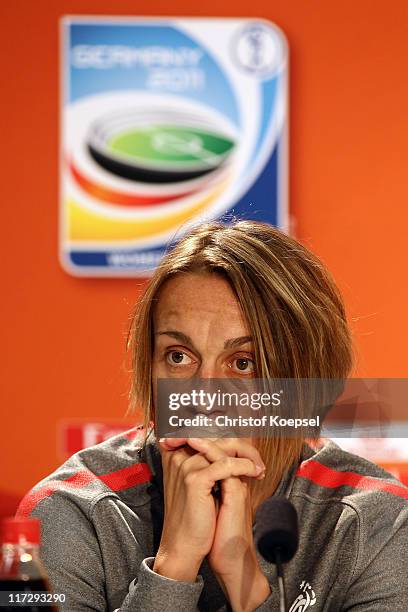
[198,297]
[194,289]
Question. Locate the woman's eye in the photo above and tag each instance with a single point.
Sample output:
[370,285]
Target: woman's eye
[244,365]
[175,358]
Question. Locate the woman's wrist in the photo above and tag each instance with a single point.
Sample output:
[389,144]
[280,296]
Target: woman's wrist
[260,591]
[177,566]
[246,591]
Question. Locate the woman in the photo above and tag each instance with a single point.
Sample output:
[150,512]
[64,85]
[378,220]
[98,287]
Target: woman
[133,523]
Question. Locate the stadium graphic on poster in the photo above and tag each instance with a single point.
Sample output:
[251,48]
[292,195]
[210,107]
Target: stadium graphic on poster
[166,122]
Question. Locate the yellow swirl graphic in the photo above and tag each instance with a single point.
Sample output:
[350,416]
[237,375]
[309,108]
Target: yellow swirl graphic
[84,224]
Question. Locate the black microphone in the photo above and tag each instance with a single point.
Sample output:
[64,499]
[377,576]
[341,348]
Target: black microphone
[276,535]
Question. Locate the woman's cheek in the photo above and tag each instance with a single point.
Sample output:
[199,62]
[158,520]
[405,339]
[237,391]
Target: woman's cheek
[158,368]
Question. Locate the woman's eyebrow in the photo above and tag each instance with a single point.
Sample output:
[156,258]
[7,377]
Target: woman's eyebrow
[178,336]
[228,344]
[234,342]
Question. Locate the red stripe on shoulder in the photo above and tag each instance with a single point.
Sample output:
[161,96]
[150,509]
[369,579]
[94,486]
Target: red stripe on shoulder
[76,481]
[327,477]
[127,477]
[132,434]
[119,480]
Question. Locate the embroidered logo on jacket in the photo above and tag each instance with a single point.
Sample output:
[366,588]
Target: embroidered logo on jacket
[306,599]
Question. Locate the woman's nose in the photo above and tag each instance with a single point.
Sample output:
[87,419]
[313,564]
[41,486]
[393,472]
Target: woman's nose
[208,370]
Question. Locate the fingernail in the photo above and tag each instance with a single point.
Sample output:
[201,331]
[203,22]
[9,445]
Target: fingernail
[162,439]
[259,469]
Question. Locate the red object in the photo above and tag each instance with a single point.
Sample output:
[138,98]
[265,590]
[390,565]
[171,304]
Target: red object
[327,477]
[74,435]
[119,480]
[399,470]
[20,531]
[8,504]
[21,570]
[124,199]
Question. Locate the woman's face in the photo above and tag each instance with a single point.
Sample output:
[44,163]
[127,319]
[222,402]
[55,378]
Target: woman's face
[199,330]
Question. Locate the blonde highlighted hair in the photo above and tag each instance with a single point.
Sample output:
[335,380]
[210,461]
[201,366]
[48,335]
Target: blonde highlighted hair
[292,307]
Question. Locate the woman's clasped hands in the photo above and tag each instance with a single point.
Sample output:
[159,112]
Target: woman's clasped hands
[199,524]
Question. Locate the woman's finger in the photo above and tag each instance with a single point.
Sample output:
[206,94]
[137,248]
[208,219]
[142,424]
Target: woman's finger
[172,443]
[215,449]
[239,447]
[224,468]
[234,447]
[174,460]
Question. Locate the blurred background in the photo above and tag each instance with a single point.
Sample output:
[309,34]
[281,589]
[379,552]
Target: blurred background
[64,383]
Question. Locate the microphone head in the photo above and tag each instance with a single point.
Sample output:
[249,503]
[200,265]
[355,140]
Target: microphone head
[276,529]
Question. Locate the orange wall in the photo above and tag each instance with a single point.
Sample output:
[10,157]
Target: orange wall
[64,337]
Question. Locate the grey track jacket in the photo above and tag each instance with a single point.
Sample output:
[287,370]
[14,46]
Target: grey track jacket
[102,515]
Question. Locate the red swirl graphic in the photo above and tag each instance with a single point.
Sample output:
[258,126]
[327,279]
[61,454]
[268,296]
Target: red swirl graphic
[123,199]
